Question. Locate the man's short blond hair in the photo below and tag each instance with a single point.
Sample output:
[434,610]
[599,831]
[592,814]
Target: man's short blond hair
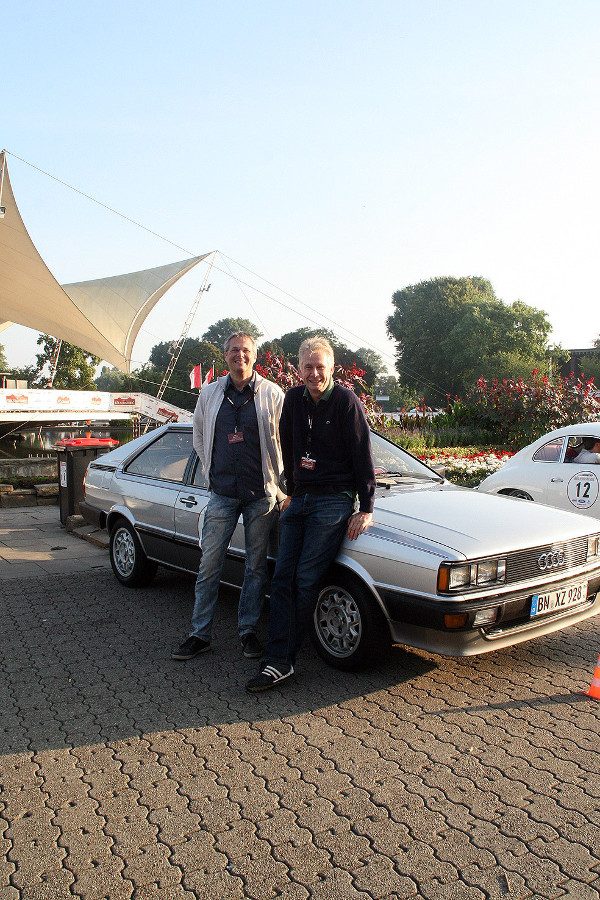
[313,345]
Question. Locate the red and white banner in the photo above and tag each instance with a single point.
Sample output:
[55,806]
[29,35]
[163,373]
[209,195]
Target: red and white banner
[196,377]
[210,376]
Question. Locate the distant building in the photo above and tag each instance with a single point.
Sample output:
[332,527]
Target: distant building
[384,402]
[6,382]
[573,364]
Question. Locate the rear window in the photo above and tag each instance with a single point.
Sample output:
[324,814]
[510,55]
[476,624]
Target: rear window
[550,452]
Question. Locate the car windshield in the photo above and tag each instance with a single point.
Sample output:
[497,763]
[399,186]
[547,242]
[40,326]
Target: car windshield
[391,460]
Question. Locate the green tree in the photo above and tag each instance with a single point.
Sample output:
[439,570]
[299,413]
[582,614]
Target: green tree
[75,368]
[590,367]
[272,347]
[401,396]
[112,379]
[291,340]
[218,333]
[193,352]
[24,373]
[384,384]
[449,331]
[19,373]
[372,359]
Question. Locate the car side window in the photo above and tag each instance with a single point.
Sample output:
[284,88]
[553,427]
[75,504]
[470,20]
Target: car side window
[550,452]
[573,448]
[587,445]
[165,458]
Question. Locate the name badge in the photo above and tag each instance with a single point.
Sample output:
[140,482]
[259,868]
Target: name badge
[236,437]
[307,463]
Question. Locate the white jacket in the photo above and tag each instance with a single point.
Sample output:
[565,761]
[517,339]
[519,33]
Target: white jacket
[268,400]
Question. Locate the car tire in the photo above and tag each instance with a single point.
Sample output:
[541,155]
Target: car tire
[516,492]
[127,558]
[349,629]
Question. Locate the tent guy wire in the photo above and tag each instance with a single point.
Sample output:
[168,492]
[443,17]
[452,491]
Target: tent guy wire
[123,357]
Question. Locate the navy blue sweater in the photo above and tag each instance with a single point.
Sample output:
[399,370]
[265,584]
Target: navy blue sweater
[340,444]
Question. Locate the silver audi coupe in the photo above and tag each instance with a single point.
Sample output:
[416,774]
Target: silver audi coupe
[443,568]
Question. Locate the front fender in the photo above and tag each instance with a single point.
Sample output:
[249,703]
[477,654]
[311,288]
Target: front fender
[351,565]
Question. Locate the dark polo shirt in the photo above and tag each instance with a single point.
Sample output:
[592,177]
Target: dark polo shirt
[236,468]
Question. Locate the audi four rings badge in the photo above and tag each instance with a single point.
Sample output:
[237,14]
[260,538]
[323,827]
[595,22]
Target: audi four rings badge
[554,559]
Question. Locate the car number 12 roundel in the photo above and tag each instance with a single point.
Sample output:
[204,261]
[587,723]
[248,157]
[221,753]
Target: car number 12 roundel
[582,490]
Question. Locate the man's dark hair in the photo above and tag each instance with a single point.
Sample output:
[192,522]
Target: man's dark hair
[590,442]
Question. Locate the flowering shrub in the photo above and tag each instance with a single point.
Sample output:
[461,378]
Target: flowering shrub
[516,411]
[470,467]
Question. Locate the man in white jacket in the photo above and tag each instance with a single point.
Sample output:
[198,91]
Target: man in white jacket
[236,436]
[590,452]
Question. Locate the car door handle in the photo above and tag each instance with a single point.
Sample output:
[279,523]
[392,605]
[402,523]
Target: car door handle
[556,479]
[189,501]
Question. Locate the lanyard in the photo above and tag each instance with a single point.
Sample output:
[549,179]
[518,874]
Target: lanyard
[238,408]
[310,415]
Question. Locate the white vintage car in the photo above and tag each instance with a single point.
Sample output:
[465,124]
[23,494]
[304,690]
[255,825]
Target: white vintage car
[443,568]
[558,469]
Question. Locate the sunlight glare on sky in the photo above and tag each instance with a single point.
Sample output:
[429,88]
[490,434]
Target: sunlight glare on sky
[338,150]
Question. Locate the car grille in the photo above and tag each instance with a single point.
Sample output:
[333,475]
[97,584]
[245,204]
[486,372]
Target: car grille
[524,565]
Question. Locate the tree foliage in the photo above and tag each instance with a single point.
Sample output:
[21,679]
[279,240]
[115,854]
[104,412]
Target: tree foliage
[3,362]
[194,352]
[401,396]
[218,333]
[75,368]
[450,331]
[370,359]
[590,367]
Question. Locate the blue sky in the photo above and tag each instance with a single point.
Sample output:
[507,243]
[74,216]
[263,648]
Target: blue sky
[339,150]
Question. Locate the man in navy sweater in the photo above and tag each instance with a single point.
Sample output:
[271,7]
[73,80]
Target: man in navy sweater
[327,461]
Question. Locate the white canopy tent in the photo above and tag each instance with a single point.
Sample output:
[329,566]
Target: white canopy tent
[102,316]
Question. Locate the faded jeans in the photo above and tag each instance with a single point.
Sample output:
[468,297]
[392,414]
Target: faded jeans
[221,517]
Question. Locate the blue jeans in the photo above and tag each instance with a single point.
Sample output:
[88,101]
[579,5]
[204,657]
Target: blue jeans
[221,517]
[312,529]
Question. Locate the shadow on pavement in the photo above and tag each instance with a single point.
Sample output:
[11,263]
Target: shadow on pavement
[86,660]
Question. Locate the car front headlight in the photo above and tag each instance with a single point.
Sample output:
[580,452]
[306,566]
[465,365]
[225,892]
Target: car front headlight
[454,577]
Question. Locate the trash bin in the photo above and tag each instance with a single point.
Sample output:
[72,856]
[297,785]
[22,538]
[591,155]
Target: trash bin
[73,456]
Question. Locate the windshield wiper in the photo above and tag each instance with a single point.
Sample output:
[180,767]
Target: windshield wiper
[421,476]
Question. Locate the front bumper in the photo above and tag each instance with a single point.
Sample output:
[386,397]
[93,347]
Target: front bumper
[419,622]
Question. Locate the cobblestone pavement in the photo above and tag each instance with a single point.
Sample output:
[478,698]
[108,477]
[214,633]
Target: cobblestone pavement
[126,775]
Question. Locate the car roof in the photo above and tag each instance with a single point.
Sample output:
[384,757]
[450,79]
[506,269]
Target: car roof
[124,451]
[580,429]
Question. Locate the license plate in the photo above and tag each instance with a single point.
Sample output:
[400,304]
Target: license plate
[554,601]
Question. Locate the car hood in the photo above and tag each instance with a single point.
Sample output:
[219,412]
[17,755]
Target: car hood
[473,524]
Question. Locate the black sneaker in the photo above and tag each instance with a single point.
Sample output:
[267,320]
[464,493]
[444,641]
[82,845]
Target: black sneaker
[251,646]
[268,678]
[190,648]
